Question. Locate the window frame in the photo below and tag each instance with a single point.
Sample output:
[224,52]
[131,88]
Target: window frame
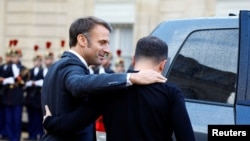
[170,67]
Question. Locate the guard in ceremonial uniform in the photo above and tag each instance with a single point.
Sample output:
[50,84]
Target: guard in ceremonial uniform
[4,68]
[33,98]
[48,58]
[12,98]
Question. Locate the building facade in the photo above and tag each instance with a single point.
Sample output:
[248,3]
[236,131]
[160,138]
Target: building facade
[35,22]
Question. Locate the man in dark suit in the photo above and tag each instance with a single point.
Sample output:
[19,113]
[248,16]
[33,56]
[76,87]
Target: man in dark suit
[68,84]
[153,112]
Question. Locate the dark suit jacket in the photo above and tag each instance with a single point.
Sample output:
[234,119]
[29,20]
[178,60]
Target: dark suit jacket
[68,85]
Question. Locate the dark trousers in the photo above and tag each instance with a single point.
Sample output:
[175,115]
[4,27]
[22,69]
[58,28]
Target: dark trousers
[2,121]
[35,119]
[13,117]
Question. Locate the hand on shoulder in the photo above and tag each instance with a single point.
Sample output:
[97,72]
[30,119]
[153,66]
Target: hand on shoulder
[144,77]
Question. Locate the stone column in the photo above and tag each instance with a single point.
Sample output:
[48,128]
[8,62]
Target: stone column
[3,44]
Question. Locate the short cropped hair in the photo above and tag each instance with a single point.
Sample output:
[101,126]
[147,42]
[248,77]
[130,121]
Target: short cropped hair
[151,47]
[84,26]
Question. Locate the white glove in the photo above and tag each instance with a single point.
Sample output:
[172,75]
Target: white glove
[9,80]
[16,70]
[39,83]
[28,83]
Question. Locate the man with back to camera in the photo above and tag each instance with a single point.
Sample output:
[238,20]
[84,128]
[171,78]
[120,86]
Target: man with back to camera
[68,84]
[139,113]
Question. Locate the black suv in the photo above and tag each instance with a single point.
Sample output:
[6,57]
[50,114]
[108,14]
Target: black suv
[209,59]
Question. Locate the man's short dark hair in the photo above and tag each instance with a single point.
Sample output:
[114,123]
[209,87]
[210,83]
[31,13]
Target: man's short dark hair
[151,47]
[84,26]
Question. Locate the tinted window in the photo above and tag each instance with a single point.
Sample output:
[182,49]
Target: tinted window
[206,66]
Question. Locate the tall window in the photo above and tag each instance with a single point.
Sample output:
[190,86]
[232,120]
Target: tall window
[122,38]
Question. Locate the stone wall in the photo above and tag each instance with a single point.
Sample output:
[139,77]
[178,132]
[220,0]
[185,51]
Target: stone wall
[224,7]
[33,22]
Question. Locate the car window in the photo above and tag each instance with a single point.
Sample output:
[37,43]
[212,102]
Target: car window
[205,67]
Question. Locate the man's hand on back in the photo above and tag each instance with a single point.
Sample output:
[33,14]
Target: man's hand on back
[47,112]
